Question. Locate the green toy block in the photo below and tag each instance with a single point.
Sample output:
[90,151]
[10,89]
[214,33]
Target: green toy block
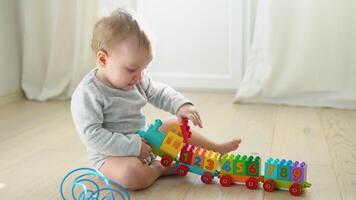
[240,164]
[284,185]
[227,163]
[253,166]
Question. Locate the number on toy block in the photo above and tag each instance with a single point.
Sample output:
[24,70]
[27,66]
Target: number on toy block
[284,170]
[227,163]
[186,154]
[197,161]
[298,172]
[209,164]
[271,168]
[253,166]
[198,157]
[240,165]
[211,160]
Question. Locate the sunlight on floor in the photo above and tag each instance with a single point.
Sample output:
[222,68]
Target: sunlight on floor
[2,185]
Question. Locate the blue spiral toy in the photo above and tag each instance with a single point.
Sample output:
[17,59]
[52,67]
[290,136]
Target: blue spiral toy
[85,188]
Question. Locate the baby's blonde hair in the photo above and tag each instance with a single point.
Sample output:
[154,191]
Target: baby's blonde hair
[111,30]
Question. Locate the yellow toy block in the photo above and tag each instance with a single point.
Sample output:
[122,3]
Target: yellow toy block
[175,128]
[211,160]
[172,144]
[199,155]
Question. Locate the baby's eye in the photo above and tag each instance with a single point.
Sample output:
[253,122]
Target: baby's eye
[131,70]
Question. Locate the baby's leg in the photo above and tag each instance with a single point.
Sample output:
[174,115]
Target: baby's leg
[199,140]
[131,173]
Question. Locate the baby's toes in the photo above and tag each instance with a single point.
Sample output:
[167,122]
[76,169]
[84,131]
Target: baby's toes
[236,142]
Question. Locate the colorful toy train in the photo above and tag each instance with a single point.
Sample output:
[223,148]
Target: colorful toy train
[278,174]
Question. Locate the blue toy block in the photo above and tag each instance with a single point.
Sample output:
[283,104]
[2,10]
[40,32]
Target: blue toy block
[153,136]
[299,172]
[271,168]
[284,170]
[197,170]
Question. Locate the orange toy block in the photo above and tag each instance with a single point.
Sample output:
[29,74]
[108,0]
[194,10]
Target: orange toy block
[199,155]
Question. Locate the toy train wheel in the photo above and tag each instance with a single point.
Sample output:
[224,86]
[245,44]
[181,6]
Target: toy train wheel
[295,189]
[225,180]
[251,183]
[269,185]
[182,170]
[206,178]
[166,160]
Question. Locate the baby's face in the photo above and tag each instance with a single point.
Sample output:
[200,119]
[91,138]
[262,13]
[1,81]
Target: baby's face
[125,64]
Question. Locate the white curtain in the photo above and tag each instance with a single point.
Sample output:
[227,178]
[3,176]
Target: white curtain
[302,53]
[55,46]
[56,51]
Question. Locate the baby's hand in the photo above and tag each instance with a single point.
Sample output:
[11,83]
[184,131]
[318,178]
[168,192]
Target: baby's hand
[145,150]
[190,112]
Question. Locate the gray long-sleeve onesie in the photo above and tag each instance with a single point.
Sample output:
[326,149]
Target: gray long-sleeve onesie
[107,119]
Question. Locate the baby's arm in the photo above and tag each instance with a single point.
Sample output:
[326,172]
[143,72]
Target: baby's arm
[166,98]
[86,107]
[163,96]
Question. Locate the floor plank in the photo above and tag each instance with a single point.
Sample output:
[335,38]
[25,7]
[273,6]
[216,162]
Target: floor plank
[339,131]
[298,136]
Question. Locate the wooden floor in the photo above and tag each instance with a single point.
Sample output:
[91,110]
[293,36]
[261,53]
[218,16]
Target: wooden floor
[38,145]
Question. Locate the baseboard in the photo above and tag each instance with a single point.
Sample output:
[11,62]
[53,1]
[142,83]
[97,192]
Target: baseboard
[11,97]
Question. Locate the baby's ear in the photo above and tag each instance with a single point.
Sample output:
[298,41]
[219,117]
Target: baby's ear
[102,57]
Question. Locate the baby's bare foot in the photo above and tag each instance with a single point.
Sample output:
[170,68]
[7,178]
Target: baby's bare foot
[171,170]
[226,147]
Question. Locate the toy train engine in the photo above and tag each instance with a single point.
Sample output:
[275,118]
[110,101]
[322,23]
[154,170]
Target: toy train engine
[240,169]
[167,146]
[288,175]
[199,161]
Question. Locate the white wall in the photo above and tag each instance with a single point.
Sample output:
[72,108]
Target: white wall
[198,43]
[9,50]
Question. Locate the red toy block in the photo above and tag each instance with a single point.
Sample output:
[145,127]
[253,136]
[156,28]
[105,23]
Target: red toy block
[185,130]
[186,154]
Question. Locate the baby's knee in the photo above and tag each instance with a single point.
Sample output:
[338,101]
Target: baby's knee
[168,122]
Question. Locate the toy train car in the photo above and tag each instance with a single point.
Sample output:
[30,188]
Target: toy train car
[240,169]
[284,174]
[199,161]
[167,146]
[278,174]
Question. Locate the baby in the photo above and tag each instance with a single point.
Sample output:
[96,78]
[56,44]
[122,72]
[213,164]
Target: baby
[107,105]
